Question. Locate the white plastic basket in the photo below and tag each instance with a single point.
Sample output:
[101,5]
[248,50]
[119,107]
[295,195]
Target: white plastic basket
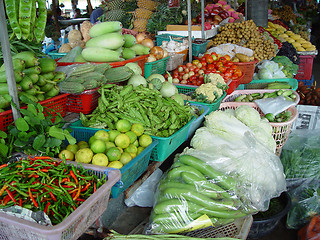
[280,131]
[72,227]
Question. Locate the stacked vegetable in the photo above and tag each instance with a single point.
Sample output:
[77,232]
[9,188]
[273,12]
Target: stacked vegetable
[36,78]
[160,116]
[43,184]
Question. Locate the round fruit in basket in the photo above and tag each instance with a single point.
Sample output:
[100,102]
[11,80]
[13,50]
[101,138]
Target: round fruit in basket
[84,155]
[100,159]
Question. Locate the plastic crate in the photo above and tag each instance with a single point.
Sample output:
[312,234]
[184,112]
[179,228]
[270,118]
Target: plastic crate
[141,60]
[167,145]
[237,93]
[51,106]
[198,49]
[185,53]
[247,69]
[199,120]
[263,83]
[56,55]
[72,227]
[85,102]
[129,172]
[234,84]
[239,229]
[308,83]
[174,61]
[305,67]
[212,106]
[280,131]
[159,66]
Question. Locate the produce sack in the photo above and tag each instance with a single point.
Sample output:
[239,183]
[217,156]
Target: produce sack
[193,195]
[305,203]
[240,144]
[300,156]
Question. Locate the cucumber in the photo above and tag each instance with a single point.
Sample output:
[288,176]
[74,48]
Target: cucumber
[17,75]
[29,57]
[18,64]
[104,27]
[111,41]
[47,65]
[26,83]
[129,40]
[32,70]
[175,173]
[128,53]
[96,54]
[140,49]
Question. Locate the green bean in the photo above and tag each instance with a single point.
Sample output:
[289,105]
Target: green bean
[12,8]
[32,20]
[25,10]
[41,21]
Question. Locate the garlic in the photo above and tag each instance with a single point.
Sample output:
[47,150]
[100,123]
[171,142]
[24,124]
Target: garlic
[164,44]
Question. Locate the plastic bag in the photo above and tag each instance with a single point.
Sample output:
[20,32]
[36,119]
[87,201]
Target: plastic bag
[269,70]
[274,105]
[300,156]
[193,195]
[305,203]
[144,195]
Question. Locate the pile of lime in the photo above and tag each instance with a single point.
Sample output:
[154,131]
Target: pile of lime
[114,148]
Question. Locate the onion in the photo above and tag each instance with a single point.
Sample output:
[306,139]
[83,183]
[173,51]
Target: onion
[165,53]
[140,37]
[151,58]
[157,52]
[147,42]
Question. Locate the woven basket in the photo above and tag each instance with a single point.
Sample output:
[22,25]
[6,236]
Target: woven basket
[248,70]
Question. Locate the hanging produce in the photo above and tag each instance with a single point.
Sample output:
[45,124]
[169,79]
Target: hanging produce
[24,21]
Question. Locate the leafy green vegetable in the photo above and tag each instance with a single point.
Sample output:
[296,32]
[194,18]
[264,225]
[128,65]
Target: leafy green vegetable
[289,68]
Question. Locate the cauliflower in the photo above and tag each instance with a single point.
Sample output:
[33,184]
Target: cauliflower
[216,78]
[210,91]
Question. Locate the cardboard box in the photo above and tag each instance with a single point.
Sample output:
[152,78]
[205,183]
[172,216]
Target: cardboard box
[183,27]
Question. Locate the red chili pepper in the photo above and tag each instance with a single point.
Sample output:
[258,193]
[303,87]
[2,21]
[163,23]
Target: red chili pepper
[48,186]
[74,176]
[94,187]
[20,201]
[46,208]
[44,170]
[64,180]
[11,196]
[5,186]
[3,165]
[80,199]
[74,207]
[78,193]
[30,169]
[66,186]
[5,200]
[86,187]
[52,196]
[33,175]
[42,158]
[32,199]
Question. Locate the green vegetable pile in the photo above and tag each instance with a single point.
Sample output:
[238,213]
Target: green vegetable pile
[288,94]
[191,189]
[160,116]
[289,68]
[281,117]
[43,184]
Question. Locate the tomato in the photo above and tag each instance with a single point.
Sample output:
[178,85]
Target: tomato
[203,63]
[175,71]
[195,62]
[199,65]
[201,77]
[227,57]
[219,64]
[196,70]
[210,67]
[223,60]
[209,59]
[191,68]
[175,75]
[193,78]
[222,69]
[237,72]
[214,56]
[228,75]
[203,59]
[233,66]
[180,78]
[228,64]
[166,76]
[188,64]
[199,82]
[181,73]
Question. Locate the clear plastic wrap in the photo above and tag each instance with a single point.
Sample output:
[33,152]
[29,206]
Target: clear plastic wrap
[300,156]
[193,195]
[305,203]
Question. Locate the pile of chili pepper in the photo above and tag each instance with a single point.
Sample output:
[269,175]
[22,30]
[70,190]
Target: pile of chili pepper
[43,184]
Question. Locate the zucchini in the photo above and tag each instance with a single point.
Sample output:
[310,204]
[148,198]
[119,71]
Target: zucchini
[140,49]
[128,53]
[97,54]
[111,41]
[129,40]
[105,27]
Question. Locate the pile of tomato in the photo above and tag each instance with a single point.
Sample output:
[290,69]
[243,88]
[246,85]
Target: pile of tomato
[193,73]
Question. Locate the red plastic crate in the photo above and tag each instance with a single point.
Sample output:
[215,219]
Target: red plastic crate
[234,84]
[51,106]
[305,67]
[85,102]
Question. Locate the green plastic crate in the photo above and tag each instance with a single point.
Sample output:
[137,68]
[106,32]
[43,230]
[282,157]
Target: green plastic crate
[129,172]
[262,83]
[167,145]
[213,106]
[159,66]
[198,49]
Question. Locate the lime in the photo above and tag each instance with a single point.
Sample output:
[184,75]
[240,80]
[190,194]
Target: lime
[109,145]
[92,139]
[67,155]
[137,128]
[133,155]
[136,143]
[123,125]
[84,155]
[102,135]
[125,158]
[122,140]
[98,146]
[145,140]
[100,159]
[132,136]
[73,148]
[140,149]
[131,149]
[121,150]
[113,154]
[113,134]
[115,164]
[82,144]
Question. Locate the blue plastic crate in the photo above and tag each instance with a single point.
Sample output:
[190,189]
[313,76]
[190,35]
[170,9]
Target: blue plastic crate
[129,172]
[199,120]
[308,83]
